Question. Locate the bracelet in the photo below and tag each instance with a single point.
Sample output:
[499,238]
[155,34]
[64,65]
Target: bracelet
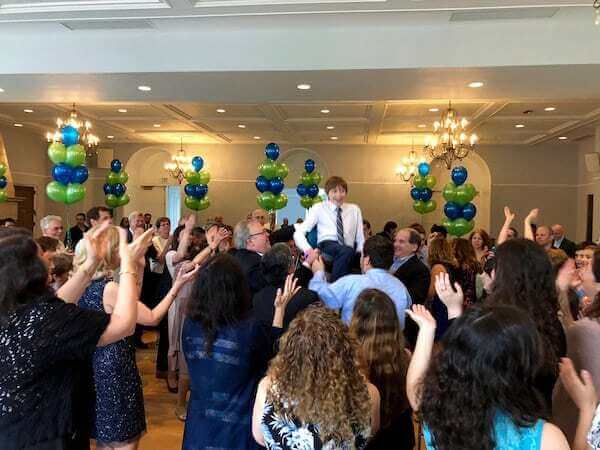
[130,272]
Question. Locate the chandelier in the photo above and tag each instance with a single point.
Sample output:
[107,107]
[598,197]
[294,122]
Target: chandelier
[179,164]
[86,138]
[408,168]
[450,140]
[596,6]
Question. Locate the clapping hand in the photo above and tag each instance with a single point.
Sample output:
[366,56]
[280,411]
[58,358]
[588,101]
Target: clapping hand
[422,318]
[509,216]
[187,273]
[131,254]
[533,215]
[318,265]
[453,298]
[567,276]
[215,236]
[95,246]
[582,389]
[289,290]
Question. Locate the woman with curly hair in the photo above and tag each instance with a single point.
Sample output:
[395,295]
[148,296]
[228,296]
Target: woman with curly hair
[477,392]
[524,278]
[384,360]
[468,268]
[314,396]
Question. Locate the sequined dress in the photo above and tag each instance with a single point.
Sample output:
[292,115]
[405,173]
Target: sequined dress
[119,403]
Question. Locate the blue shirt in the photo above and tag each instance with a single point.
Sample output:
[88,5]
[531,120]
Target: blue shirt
[342,294]
[399,262]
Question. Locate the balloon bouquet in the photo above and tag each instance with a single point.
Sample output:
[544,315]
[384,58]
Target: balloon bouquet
[308,189]
[3,183]
[115,188]
[197,186]
[422,190]
[270,181]
[68,173]
[459,210]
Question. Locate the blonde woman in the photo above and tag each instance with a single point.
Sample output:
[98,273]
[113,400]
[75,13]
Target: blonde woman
[119,418]
[314,396]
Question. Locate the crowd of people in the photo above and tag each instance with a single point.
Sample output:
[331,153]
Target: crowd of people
[315,335]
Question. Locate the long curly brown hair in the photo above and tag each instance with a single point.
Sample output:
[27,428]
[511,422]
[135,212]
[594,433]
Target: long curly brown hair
[465,255]
[316,379]
[381,350]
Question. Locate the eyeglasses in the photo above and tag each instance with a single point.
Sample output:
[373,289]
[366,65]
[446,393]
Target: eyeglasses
[257,234]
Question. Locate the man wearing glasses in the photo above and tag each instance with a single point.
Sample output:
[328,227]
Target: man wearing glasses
[251,241]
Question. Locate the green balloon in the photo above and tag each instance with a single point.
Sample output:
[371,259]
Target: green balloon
[111,200]
[56,192]
[419,206]
[460,227]
[3,195]
[306,201]
[430,181]
[204,177]
[123,199]
[306,179]
[113,178]
[75,155]
[282,170]
[449,192]
[123,177]
[280,201]
[429,206]
[316,200]
[463,195]
[470,189]
[192,203]
[316,177]
[2,169]
[266,200]
[419,182]
[75,193]
[192,177]
[204,203]
[446,223]
[57,152]
[268,169]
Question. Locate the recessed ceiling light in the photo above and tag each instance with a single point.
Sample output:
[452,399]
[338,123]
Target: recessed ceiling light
[519,125]
[220,110]
[330,127]
[122,110]
[334,138]
[325,111]
[156,125]
[421,125]
[303,86]
[18,125]
[241,126]
[144,88]
[476,84]
[257,137]
[110,137]
[1,90]
[27,110]
[550,108]
[434,109]
[562,138]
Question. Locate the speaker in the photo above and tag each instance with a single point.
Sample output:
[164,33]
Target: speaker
[592,162]
[105,157]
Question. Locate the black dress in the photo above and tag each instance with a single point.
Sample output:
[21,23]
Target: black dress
[264,309]
[43,349]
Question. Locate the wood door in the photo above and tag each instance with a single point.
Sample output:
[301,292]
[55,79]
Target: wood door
[25,211]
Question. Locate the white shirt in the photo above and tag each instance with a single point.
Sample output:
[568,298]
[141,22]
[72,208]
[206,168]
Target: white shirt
[159,244]
[324,216]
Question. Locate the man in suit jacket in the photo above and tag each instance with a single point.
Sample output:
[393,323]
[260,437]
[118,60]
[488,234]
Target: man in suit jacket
[560,241]
[251,242]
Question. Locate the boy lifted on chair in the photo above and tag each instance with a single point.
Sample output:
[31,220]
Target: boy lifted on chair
[339,228]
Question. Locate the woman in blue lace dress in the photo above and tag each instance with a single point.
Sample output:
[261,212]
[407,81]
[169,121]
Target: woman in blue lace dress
[119,418]
[477,393]
[314,395]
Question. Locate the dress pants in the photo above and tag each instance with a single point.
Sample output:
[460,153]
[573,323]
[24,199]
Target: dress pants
[342,256]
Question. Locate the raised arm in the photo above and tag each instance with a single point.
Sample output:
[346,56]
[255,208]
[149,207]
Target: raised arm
[300,229]
[214,237]
[509,216]
[527,230]
[184,239]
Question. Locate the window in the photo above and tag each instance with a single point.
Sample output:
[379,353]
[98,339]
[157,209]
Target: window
[173,203]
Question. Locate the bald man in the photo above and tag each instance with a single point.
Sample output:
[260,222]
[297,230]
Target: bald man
[543,237]
[560,241]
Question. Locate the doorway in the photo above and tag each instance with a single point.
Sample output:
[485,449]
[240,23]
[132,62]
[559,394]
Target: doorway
[25,208]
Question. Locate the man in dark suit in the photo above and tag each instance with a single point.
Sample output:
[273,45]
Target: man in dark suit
[560,241]
[251,242]
[389,230]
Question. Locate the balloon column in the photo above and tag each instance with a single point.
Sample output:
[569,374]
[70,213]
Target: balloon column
[197,185]
[3,183]
[459,210]
[115,188]
[68,173]
[308,189]
[270,181]
[422,190]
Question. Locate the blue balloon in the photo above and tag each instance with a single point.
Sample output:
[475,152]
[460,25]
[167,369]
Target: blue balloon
[469,211]
[426,194]
[276,185]
[80,174]
[63,173]
[197,163]
[119,189]
[415,193]
[301,190]
[189,190]
[452,210]
[3,182]
[312,191]
[309,166]
[107,189]
[272,151]
[424,169]
[459,175]
[116,165]
[200,191]
[262,184]
[69,135]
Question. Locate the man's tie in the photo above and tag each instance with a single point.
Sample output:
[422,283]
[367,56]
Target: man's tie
[340,226]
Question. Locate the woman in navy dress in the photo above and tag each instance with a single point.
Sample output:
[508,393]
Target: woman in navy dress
[119,418]
[227,352]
